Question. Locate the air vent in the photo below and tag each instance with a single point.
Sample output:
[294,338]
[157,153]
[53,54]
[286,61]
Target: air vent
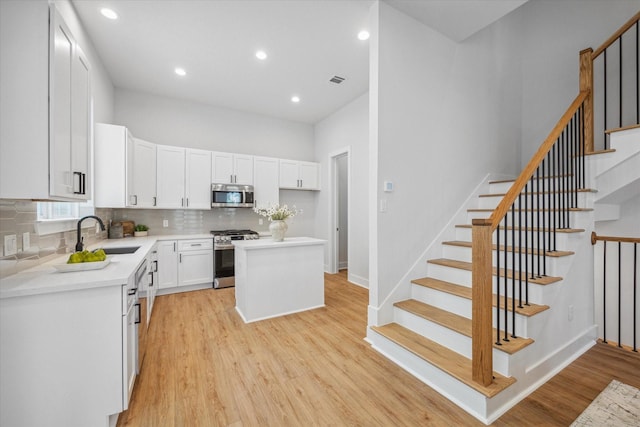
[336,79]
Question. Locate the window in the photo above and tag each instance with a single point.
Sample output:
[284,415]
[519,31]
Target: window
[54,217]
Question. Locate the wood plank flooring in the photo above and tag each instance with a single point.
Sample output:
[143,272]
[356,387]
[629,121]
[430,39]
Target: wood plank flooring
[205,367]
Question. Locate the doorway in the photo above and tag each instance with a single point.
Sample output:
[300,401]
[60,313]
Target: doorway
[339,211]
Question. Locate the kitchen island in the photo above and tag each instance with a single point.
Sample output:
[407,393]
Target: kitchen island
[278,278]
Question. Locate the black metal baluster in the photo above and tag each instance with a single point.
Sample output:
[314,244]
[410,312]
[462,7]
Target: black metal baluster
[635,287]
[498,286]
[574,158]
[553,208]
[544,226]
[620,77]
[604,292]
[567,159]
[637,73]
[520,246]
[513,269]
[538,219]
[506,258]
[526,245]
[605,98]
[619,294]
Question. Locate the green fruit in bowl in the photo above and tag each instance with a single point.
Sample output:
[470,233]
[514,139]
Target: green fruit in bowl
[86,256]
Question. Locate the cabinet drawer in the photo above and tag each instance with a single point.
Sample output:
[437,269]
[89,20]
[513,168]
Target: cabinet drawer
[195,244]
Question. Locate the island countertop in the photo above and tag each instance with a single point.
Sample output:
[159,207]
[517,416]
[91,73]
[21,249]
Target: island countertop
[267,243]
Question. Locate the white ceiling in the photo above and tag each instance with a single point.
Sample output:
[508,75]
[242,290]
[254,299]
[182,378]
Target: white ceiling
[308,42]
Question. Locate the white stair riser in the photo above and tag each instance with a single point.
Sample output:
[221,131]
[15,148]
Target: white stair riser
[459,253]
[463,277]
[493,201]
[576,219]
[464,396]
[564,241]
[455,341]
[462,306]
[547,183]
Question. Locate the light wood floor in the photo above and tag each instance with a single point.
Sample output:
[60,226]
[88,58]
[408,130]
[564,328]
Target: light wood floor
[205,367]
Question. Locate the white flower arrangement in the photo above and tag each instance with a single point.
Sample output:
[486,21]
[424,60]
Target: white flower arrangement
[277,212]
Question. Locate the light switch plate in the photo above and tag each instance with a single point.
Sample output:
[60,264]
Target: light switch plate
[10,245]
[26,241]
[165,222]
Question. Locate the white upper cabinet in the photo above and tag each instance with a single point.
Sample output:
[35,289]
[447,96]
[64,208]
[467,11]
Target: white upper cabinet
[44,107]
[299,175]
[170,177]
[265,184]
[198,179]
[229,168]
[141,170]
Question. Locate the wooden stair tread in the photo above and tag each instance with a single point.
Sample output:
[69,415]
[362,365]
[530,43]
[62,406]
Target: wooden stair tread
[579,190]
[462,265]
[594,153]
[441,357]
[457,323]
[534,210]
[558,230]
[531,251]
[623,128]
[466,292]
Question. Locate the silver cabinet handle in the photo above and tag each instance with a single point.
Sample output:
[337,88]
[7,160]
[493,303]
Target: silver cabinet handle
[180,257]
[174,246]
[154,201]
[187,202]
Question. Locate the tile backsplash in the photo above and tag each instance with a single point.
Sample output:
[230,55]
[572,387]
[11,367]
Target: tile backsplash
[19,217]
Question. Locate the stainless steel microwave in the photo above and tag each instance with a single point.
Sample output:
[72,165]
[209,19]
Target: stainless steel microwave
[231,196]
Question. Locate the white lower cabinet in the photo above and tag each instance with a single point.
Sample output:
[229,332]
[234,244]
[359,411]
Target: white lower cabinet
[185,263]
[167,264]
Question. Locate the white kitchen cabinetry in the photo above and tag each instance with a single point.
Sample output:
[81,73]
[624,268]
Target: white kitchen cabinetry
[299,175]
[229,168]
[167,264]
[125,169]
[141,173]
[198,179]
[171,178]
[266,181]
[44,107]
[183,178]
[195,262]
[62,357]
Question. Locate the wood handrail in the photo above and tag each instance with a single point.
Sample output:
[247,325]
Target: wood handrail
[501,210]
[615,35]
[595,238]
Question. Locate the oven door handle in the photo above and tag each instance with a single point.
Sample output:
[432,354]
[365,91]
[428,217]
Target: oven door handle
[224,248]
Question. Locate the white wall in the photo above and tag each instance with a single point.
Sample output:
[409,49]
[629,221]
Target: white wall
[347,127]
[171,121]
[553,34]
[448,114]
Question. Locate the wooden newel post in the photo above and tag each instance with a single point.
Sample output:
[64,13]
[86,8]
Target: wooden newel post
[482,329]
[586,85]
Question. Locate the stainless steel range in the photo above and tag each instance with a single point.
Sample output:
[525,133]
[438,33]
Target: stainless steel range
[224,255]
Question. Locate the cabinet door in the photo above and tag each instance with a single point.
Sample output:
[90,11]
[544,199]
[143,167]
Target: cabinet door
[221,168]
[198,179]
[110,172]
[80,125]
[309,174]
[170,176]
[167,264]
[61,181]
[243,169]
[289,174]
[142,174]
[266,187]
[195,267]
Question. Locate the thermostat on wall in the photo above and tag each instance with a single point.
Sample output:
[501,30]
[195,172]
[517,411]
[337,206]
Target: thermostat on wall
[388,186]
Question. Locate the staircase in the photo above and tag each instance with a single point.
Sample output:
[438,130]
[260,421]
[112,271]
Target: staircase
[508,301]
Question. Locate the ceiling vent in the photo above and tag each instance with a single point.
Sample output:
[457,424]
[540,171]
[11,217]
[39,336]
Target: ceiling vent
[336,79]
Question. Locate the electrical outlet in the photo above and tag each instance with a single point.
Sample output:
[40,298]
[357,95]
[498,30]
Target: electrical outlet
[10,245]
[260,221]
[165,222]
[26,241]
[383,205]
[570,315]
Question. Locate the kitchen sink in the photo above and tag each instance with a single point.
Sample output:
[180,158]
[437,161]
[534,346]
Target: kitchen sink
[121,250]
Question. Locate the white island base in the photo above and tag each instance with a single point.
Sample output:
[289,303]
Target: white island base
[278,278]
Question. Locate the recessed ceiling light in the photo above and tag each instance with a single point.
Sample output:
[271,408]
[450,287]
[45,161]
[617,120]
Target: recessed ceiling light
[363,35]
[108,13]
[295,99]
[261,55]
[180,71]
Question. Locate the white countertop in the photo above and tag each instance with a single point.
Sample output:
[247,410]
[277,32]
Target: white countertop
[268,243]
[44,278]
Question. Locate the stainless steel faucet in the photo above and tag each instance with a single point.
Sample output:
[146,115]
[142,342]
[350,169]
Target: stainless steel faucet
[79,244]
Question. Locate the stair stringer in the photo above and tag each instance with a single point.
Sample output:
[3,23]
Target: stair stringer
[558,340]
